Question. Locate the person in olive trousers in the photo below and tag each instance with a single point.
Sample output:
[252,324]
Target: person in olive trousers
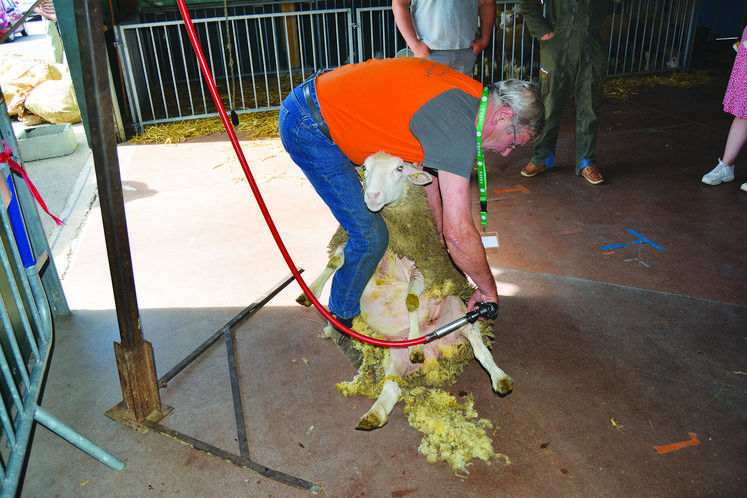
[573,58]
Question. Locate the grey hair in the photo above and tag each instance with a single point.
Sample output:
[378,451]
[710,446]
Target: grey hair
[525,100]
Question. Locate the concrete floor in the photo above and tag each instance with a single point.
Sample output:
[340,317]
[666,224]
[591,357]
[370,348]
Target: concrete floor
[613,353]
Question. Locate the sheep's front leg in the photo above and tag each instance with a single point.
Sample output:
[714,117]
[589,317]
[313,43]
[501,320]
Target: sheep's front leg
[502,383]
[378,414]
[335,262]
[414,290]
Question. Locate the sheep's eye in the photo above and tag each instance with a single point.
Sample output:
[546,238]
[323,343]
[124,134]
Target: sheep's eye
[363,168]
[400,168]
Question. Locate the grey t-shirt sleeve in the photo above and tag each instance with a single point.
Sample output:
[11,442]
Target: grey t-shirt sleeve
[445,128]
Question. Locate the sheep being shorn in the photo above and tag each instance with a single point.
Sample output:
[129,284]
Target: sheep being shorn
[415,290]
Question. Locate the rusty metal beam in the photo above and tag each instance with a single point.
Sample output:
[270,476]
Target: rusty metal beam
[134,354]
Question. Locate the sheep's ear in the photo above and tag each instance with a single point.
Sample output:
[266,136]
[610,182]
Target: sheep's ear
[360,171]
[417,176]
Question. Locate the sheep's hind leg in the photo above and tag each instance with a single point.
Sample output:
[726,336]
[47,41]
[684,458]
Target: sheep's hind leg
[335,262]
[378,414]
[414,290]
[502,383]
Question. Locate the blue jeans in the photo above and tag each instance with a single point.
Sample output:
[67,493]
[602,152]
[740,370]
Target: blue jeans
[334,178]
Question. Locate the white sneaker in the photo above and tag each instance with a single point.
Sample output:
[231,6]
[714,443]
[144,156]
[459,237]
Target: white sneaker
[743,187]
[721,173]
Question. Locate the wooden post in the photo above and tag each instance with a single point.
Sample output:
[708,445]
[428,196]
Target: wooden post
[291,29]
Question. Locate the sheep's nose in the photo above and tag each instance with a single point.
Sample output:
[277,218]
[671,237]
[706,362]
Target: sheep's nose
[373,195]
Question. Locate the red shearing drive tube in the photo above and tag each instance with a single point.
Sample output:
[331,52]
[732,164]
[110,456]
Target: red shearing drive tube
[260,201]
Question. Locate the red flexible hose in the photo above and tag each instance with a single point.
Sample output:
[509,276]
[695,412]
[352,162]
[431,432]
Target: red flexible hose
[260,201]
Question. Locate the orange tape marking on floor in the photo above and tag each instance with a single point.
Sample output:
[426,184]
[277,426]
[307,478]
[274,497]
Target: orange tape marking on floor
[677,446]
[517,188]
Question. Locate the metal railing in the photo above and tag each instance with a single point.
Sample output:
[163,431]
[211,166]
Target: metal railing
[26,336]
[647,36]
[257,58]
[256,61]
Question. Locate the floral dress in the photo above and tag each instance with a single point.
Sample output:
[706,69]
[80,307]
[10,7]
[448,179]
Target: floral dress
[735,100]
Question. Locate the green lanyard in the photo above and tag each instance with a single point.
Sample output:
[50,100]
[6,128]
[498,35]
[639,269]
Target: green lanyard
[481,174]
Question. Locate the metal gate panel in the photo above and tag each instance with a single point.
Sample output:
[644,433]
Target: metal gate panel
[256,61]
[26,335]
[265,54]
[648,36]
[377,34]
[645,36]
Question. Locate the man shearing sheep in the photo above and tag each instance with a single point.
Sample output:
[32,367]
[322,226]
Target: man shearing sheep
[418,110]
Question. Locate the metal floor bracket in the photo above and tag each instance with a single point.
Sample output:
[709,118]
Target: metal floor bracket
[243,459]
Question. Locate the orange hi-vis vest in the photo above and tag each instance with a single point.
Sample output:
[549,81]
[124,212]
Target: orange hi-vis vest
[368,106]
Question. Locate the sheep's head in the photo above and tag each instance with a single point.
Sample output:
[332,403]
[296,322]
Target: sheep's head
[384,176]
[510,19]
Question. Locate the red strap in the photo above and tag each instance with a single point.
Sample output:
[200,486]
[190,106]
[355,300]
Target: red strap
[5,158]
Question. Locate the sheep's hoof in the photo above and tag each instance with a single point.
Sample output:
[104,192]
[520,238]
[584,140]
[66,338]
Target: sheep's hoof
[416,354]
[328,331]
[303,300]
[369,422]
[505,385]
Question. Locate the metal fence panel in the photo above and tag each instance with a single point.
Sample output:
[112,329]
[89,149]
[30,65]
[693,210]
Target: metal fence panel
[256,60]
[647,36]
[259,51]
[26,337]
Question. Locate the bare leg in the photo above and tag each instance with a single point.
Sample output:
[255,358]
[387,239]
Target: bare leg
[735,141]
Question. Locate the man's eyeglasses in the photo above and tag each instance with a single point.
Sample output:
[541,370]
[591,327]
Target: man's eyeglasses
[513,145]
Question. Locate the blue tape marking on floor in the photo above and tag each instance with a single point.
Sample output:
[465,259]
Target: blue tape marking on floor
[618,246]
[641,240]
[644,239]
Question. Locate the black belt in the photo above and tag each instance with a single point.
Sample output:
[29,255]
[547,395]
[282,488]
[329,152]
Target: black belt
[315,110]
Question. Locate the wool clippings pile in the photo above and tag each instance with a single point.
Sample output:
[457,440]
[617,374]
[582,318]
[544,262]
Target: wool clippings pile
[450,432]
[451,435]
